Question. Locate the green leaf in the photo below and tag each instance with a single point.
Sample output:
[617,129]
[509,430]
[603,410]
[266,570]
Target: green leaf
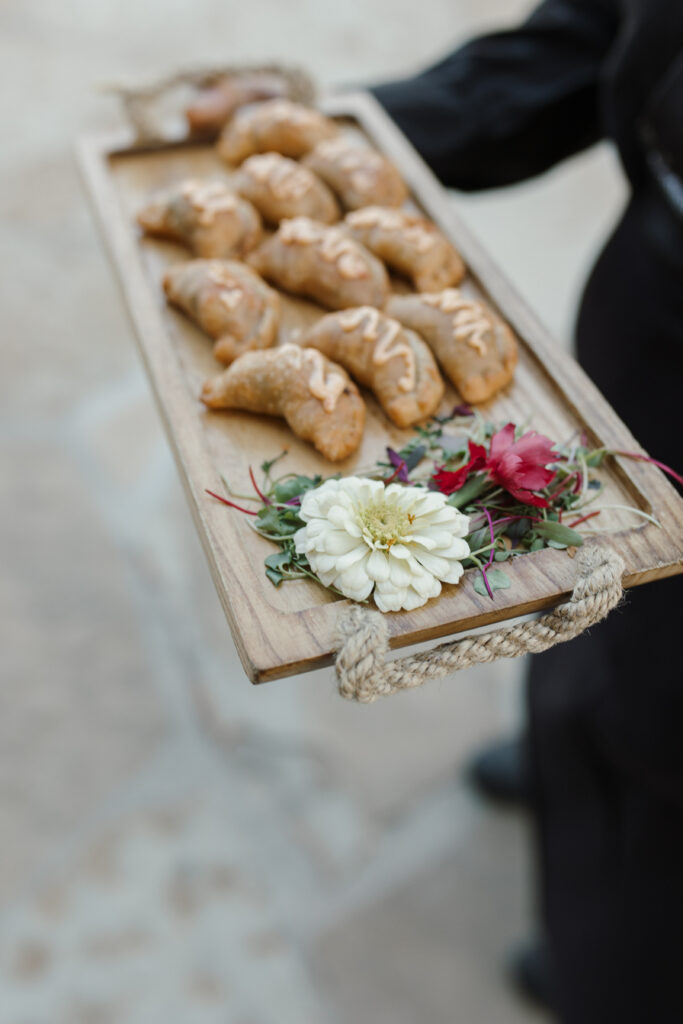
[502,556]
[278,560]
[537,544]
[479,538]
[293,486]
[518,529]
[412,456]
[559,533]
[275,577]
[498,580]
[277,521]
[471,490]
[268,465]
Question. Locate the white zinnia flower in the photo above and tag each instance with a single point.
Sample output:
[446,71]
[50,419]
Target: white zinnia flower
[403,541]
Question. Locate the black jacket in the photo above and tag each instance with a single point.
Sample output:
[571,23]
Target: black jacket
[510,105]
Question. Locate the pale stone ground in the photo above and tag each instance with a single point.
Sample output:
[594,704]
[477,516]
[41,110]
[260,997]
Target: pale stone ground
[175,845]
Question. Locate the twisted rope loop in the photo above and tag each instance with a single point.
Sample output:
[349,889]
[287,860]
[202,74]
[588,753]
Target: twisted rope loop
[142,102]
[361,641]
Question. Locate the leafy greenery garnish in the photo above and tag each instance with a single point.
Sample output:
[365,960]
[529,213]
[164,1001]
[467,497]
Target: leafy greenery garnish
[509,514]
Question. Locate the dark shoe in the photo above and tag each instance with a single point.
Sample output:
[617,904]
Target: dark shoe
[531,974]
[501,772]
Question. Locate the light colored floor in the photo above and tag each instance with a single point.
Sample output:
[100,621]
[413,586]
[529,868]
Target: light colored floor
[175,845]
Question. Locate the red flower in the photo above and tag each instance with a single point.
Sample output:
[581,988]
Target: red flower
[517,466]
[520,466]
[449,481]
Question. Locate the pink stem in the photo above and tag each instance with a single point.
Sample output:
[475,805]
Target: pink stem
[389,479]
[583,519]
[231,504]
[490,561]
[262,496]
[655,462]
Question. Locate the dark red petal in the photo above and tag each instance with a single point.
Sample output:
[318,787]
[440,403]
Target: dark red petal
[448,482]
[501,441]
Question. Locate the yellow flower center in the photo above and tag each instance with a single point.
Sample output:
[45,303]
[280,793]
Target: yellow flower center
[383,522]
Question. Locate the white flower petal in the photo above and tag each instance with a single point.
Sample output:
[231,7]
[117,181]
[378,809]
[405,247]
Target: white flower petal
[347,560]
[389,599]
[425,542]
[413,599]
[322,563]
[459,548]
[455,573]
[338,542]
[399,572]
[355,577]
[378,566]
[432,563]
[424,583]
[338,516]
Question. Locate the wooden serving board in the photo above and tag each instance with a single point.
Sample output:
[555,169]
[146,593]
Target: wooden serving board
[289,629]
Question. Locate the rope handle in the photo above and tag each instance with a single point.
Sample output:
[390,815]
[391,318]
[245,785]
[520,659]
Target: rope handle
[143,103]
[362,637]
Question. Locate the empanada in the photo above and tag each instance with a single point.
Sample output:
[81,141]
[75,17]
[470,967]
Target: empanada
[382,355]
[281,188]
[323,263]
[216,102]
[318,399]
[206,217]
[411,245]
[475,348]
[228,301]
[359,175]
[278,126]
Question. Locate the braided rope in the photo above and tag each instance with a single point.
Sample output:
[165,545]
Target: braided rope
[361,640]
[141,102]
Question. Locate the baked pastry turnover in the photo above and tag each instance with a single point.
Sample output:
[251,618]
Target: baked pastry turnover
[317,399]
[410,245]
[359,175]
[216,102]
[322,263]
[475,348]
[385,357]
[279,126]
[282,188]
[206,217]
[228,301]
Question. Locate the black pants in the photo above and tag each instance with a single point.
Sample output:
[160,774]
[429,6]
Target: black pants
[606,710]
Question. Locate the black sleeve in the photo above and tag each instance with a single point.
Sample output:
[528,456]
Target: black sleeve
[509,105]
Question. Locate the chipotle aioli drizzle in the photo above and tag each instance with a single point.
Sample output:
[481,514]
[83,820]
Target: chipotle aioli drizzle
[383,330]
[471,321]
[325,387]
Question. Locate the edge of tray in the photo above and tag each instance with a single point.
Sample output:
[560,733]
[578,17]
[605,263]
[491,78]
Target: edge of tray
[649,552]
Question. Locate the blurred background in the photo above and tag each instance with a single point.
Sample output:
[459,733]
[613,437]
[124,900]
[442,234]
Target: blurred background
[175,844]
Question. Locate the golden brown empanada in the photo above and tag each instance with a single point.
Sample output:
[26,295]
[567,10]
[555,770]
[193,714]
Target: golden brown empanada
[216,102]
[277,126]
[318,399]
[359,175]
[228,301]
[384,356]
[281,188]
[475,348]
[411,245]
[206,217]
[323,263]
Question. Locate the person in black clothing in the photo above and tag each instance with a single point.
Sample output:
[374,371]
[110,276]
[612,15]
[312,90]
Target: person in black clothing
[606,710]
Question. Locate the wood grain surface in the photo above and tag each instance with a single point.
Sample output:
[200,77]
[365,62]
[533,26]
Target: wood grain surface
[287,630]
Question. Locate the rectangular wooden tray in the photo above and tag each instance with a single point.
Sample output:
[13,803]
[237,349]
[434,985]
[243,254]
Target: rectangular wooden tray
[286,630]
